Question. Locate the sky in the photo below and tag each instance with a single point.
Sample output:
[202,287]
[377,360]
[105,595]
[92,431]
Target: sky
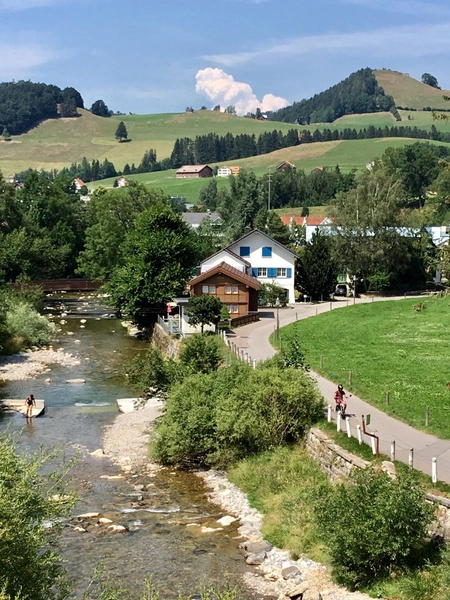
[158,56]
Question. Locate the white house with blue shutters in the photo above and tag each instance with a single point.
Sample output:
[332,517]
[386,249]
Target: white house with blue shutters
[257,254]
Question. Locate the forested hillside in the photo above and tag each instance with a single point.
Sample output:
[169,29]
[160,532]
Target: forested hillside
[359,93]
[24,104]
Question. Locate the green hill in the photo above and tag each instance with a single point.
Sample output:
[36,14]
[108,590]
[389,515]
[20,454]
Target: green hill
[56,143]
[410,93]
[349,154]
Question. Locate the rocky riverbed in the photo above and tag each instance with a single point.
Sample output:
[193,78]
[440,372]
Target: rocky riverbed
[27,365]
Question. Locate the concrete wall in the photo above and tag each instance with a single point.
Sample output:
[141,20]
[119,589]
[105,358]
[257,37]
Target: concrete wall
[337,464]
[169,345]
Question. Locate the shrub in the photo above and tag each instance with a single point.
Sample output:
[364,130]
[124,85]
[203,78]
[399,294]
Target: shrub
[374,526]
[218,418]
[26,327]
[31,567]
[153,372]
[201,353]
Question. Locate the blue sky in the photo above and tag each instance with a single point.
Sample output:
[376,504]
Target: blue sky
[148,56]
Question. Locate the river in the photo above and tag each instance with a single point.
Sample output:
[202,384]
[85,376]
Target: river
[163,511]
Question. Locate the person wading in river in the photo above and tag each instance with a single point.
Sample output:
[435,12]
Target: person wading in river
[30,403]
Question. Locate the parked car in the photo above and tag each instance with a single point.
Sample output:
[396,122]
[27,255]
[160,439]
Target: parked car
[341,289]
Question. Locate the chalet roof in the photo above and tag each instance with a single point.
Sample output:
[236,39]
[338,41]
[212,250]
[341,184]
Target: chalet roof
[233,254]
[79,181]
[192,168]
[196,218]
[246,235]
[286,162]
[232,272]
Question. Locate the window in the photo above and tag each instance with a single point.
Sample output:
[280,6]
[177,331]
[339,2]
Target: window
[232,308]
[244,250]
[208,289]
[231,289]
[281,272]
[267,251]
[262,272]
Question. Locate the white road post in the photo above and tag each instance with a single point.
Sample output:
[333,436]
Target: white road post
[411,458]
[329,413]
[347,423]
[393,451]
[434,470]
[374,445]
[254,363]
[338,421]
[358,429]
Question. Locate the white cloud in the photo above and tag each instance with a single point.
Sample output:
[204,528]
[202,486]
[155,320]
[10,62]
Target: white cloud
[221,88]
[16,60]
[409,41]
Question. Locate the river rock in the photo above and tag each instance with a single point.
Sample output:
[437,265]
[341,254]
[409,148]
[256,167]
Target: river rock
[89,515]
[117,528]
[83,321]
[139,487]
[255,559]
[226,521]
[389,468]
[70,333]
[290,572]
[298,590]
[312,595]
[48,380]
[211,529]
[104,521]
[249,533]
[79,529]
[76,381]
[255,547]
[98,453]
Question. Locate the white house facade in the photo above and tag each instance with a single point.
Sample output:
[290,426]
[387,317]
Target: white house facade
[270,261]
[229,257]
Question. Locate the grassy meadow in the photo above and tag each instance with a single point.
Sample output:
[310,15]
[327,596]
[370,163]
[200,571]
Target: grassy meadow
[409,92]
[388,346]
[348,154]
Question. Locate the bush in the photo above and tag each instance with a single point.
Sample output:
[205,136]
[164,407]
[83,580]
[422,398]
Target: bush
[153,372]
[374,526]
[26,327]
[31,567]
[218,418]
[201,353]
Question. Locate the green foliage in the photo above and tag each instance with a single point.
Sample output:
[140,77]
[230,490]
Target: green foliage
[290,355]
[204,310]
[317,270]
[158,257]
[378,282]
[374,526]
[201,353]
[218,418]
[153,372]
[100,109]
[29,499]
[270,293]
[429,79]
[121,132]
[26,327]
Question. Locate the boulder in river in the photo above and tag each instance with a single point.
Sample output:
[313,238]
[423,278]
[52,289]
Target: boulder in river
[226,521]
[89,515]
[117,528]
[76,381]
[256,559]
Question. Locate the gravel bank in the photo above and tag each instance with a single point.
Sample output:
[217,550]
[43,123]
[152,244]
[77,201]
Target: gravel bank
[27,365]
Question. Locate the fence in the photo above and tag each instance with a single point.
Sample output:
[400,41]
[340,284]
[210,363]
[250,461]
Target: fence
[170,325]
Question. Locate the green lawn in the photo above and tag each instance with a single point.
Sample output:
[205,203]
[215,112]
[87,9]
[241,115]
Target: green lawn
[409,92]
[388,346]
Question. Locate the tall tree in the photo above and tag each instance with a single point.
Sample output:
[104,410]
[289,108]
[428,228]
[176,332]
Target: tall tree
[121,132]
[430,80]
[317,270]
[204,310]
[158,258]
[100,109]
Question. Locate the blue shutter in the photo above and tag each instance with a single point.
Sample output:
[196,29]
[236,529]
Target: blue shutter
[244,250]
[271,272]
[289,273]
[267,251]
[254,272]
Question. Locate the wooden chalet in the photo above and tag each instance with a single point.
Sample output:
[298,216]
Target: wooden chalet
[285,166]
[194,171]
[237,290]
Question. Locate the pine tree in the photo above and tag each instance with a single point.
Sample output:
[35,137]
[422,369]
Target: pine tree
[121,132]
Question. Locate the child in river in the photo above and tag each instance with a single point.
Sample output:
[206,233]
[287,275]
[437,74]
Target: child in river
[30,403]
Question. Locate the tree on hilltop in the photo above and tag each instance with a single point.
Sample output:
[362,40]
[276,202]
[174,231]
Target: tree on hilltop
[121,132]
[100,109]
[430,80]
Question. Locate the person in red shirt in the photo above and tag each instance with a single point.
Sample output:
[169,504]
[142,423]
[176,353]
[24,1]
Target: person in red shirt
[340,396]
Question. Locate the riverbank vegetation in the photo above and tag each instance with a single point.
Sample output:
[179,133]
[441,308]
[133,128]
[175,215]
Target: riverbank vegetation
[397,347]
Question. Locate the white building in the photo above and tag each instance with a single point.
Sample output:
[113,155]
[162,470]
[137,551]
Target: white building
[257,254]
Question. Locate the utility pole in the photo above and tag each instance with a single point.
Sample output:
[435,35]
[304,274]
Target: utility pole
[268,199]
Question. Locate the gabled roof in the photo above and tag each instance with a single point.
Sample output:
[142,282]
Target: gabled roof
[197,218]
[233,254]
[246,235]
[287,220]
[192,168]
[286,162]
[227,269]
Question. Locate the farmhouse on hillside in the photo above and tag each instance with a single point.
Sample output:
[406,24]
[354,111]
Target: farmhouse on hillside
[194,219]
[194,171]
[311,224]
[227,171]
[285,166]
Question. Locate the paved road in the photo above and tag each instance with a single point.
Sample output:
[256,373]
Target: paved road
[253,339]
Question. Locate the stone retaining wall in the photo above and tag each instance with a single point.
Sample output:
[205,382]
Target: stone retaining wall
[168,344]
[337,463]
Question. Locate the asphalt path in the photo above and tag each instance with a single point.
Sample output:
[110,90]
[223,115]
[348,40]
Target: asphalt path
[253,341]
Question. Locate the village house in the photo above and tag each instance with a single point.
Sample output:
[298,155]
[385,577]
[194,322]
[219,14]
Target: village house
[285,166]
[227,171]
[79,183]
[311,224]
[194,171]
[194,219]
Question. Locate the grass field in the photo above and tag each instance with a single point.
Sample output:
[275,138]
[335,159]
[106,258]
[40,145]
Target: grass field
[349,154]
[388,346]
[409,92]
